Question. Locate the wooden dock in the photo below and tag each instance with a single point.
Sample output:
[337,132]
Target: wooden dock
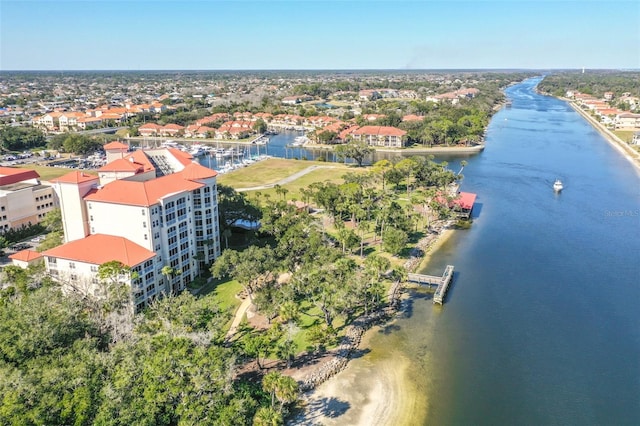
[442,283]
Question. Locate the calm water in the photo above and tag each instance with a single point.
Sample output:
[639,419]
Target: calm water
[542,325]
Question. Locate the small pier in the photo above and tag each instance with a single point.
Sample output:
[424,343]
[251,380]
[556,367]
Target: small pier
[442,282]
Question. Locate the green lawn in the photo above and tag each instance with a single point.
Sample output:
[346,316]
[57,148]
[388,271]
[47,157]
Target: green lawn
[48,173]
[320,175]
[263,172]
[224,292]
[625,135]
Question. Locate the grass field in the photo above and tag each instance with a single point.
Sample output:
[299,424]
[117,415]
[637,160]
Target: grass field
[625,135]
[48,173]
[320,175]
[267,172]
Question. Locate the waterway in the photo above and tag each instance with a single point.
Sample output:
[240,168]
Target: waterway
[282,145]
[542,324]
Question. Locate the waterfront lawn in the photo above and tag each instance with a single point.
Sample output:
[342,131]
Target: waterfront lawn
[320,175]
[263,172]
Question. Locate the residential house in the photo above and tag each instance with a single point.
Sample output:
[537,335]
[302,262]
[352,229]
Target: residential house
[627,121]
[149,129]
[171,130]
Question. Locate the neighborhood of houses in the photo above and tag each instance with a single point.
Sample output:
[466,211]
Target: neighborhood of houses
[609,115]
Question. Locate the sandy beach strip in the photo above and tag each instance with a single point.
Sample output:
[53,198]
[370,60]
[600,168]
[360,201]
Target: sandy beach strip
[627,151]
[365,394]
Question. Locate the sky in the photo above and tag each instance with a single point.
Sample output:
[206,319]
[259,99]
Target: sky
[307,34]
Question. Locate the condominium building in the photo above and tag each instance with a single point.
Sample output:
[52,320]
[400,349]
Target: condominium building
[383,136]
[24,200]
[158,202]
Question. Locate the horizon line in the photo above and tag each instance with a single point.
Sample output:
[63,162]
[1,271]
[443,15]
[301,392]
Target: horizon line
[317,69]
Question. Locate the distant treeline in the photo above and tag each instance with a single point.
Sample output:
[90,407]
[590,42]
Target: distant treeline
[594,83]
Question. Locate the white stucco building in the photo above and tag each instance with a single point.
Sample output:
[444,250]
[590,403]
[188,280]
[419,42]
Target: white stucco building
[24,200]
[159,202]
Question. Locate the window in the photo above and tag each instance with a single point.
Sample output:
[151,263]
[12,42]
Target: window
[94,268]
[144,224]
[143,212]
[72,265]
[146,237]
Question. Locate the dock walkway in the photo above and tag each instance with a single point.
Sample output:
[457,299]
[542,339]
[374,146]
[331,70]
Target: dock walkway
[442,282]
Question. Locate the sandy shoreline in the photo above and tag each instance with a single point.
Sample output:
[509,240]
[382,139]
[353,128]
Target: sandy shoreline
[362,396]
[623,148]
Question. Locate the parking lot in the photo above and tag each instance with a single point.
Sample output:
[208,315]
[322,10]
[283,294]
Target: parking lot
[30,244]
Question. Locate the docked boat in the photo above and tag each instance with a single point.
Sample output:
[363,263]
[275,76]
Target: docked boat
[300,140]
[557,185]
[197,150]
[221,153]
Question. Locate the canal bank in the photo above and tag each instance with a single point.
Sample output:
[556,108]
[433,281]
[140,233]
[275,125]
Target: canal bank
[627,151]
[534,329]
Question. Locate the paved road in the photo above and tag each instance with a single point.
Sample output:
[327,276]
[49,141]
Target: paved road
[286,180]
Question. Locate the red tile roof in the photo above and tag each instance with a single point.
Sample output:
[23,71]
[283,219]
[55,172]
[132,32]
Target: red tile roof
[379,130]
[145,193]
[412,117]
[183,157]
[149,126]
[121,165]
[195,171]
[25,256]
[465,200]
[9,175]
[99,248]
[115,146]
[75,177]
[172,126]
[141,158]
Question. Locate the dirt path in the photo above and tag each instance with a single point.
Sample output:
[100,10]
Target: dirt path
[237,319]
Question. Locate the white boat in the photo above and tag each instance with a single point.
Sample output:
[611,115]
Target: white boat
[557,185]
[300,140]
[196,150]
[221,153]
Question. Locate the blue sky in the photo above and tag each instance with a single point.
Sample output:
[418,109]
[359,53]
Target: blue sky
[306,34]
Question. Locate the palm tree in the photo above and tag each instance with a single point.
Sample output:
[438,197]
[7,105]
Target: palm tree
[267,416]
[168,272]
[269,385]
[286,390]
